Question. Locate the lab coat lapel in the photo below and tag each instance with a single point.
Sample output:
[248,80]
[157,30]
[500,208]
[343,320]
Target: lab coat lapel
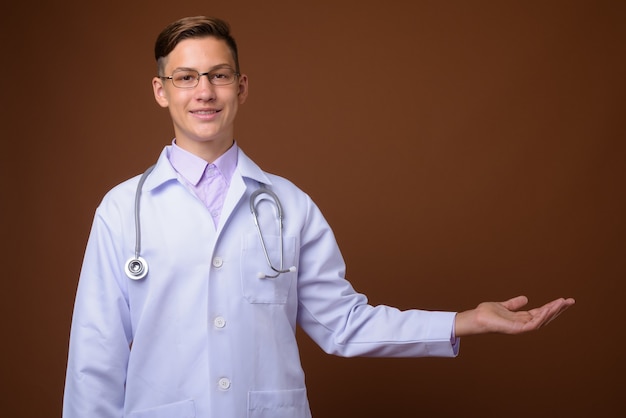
[246,169]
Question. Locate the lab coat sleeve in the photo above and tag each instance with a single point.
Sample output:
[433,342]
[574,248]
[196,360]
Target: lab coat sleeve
[342,322]
[100,335]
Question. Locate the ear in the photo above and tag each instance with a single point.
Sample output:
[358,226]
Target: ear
[243,88]
[160,94]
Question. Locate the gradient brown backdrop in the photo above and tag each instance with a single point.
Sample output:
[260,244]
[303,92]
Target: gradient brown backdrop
[462,150]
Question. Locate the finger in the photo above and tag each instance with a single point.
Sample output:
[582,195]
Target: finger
[552,318]
[515,303]
[550,307]
[566,304]
[547,313]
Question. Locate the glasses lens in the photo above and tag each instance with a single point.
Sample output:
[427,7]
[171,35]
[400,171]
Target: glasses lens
[185,78]
[222,76]
[189,78]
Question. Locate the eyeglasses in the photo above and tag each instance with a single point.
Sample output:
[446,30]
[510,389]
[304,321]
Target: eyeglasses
[187,79]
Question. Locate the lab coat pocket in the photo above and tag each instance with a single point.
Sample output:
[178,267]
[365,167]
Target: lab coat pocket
[182,409]
[254,265]
[278,404]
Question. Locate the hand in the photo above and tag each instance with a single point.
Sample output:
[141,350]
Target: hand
[505,318]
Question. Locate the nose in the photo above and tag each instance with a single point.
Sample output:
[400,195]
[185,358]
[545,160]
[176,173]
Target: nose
[205,89]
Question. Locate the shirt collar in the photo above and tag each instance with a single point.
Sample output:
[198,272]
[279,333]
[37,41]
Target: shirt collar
[192,167]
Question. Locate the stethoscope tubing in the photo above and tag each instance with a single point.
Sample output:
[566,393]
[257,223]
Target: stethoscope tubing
[136,267]
[279,209]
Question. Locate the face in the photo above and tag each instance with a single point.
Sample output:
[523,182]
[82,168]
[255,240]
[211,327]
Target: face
[203,116]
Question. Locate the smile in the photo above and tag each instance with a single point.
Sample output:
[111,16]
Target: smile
[204,112]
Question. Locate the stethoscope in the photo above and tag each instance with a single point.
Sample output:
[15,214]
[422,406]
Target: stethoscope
[279,212]
[136,267]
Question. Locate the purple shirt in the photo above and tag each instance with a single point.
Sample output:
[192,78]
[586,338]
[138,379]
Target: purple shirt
[208,181]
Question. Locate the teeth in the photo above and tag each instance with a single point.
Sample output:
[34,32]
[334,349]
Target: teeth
[205,112]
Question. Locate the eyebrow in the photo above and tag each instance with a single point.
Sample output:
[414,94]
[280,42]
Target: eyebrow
[215,67]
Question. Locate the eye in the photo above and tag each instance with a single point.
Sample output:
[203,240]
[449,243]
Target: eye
[220,75]
[185,76]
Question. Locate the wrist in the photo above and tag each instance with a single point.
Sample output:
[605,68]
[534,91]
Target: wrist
[465,323]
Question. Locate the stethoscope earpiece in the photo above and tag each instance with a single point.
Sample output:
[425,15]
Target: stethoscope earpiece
[136,268]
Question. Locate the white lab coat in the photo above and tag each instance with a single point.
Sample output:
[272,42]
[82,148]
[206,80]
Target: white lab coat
[201,335]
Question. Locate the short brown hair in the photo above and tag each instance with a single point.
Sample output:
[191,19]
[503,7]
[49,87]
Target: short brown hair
[193,27]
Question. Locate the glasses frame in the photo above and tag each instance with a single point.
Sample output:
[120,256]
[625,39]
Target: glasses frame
[171,77]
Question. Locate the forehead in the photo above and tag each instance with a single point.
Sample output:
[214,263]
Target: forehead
[199,53]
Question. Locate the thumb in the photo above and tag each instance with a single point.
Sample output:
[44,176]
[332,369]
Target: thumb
[515,303]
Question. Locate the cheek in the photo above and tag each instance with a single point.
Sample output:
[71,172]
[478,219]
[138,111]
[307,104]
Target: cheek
[177,103]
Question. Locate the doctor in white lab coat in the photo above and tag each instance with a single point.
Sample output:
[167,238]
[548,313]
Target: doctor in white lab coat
[202,335]
[209,337]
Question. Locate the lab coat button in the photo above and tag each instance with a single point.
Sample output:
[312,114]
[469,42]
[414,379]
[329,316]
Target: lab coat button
[224,383]
[217,262]
[219,322]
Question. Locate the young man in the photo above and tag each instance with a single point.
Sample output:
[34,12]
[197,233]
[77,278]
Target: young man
[208,330]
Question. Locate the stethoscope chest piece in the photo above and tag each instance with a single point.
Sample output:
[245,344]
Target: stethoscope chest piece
[136,268]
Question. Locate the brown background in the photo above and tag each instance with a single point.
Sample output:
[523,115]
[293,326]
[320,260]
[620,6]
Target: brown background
[462,150]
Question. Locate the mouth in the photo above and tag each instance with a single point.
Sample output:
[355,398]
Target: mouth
[205,113]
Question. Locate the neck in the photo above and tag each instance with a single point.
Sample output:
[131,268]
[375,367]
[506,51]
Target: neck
[208,151]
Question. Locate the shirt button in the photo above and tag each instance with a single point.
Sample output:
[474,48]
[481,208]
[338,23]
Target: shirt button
[218,262]
[224,383]
[219,322]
